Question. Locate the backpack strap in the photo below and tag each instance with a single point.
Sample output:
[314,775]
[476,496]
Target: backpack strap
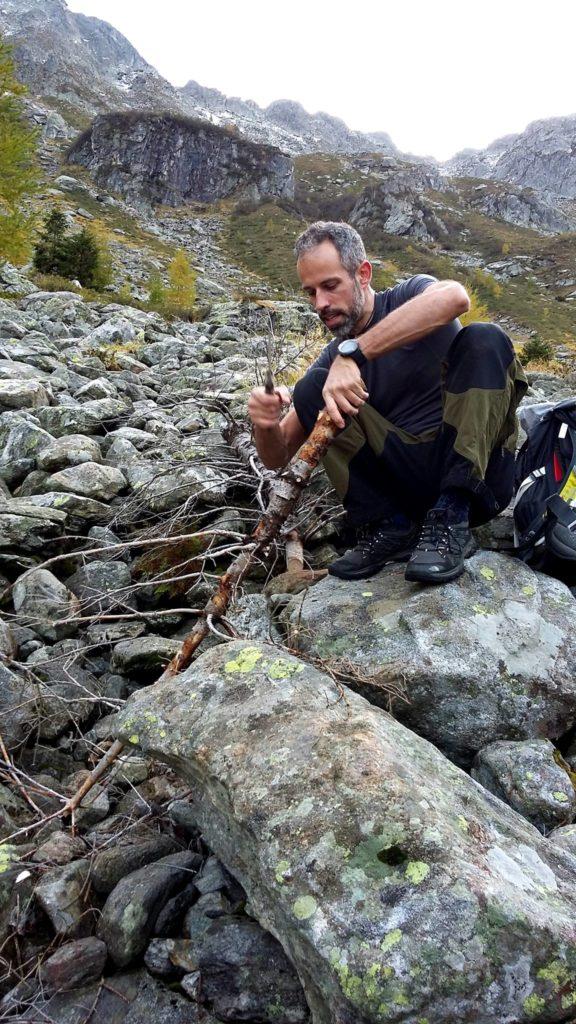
[561,510]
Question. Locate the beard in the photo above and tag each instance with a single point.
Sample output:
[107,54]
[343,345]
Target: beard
[351,317]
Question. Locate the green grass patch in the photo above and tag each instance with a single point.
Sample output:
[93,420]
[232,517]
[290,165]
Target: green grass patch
[262,241]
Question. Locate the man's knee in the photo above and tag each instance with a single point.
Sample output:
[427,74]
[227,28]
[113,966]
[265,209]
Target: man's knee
[479,357]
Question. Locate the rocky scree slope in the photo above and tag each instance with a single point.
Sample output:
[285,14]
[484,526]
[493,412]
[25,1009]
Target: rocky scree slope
[295,863]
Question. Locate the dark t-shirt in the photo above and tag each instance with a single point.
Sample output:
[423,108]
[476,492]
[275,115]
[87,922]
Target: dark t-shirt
[404,385]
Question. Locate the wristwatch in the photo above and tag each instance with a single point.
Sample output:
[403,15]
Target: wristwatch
[350,349]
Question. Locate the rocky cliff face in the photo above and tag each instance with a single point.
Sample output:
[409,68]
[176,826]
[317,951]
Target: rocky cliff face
[81,64]
[399,204]
[541,157]
[161,158]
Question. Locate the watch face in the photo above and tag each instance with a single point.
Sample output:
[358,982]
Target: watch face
[348,347]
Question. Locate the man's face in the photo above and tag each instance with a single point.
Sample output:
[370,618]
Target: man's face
[338,298]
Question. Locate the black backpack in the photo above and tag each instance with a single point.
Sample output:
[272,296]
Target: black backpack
[545,484]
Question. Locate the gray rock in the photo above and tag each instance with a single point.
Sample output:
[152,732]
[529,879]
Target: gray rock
[143,658]
[24,526]
[68,691]
[40,600]
[94,807]
[23,394]
[564,836]
[60,848]
[102,586]
[170,919]
[101,387]
[62,895]
[157,959]
[80,511]
[73,965]
[487,657]
[90,480]
[118,329]
[13,281]
[111,865]
[382,896]
[246,974]
[162,491]
[130,912]
[526,775]
[18,711]
[128,998]
[22,445]
[68,451]
[89,418]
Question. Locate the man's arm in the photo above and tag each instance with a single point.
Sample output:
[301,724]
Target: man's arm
[439,304]
[277,440]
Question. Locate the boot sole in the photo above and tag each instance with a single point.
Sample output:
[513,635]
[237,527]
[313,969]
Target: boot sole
[366,574]
[414,574]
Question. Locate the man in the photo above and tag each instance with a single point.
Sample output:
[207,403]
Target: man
[427,410]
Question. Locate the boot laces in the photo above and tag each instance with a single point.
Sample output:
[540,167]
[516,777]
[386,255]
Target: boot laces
[437,535]
[373,539]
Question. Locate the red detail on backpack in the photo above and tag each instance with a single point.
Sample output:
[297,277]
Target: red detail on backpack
[558,471]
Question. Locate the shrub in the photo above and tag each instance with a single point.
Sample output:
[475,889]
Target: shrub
[536,350]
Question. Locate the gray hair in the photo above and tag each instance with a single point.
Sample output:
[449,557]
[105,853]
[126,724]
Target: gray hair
[344,238]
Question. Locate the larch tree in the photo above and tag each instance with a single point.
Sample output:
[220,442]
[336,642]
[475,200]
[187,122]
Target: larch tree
[19,170]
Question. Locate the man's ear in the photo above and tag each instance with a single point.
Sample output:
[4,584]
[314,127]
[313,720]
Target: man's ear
[365,273]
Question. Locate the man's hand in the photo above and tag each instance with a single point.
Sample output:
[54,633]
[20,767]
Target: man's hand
[344,390]
[264,409]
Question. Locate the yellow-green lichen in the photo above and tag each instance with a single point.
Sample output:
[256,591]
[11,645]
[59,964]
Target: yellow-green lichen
[417,871]
[534,1005]
[281,668]
[134,739]
[568,1000]
[304,907]
[391,939]
[560,797]
[529,590]
[281,868]
[557,973]
[487,572]
[462,823]
[9,855]
[245,662]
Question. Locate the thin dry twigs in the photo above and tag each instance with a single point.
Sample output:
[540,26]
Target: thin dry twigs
[285,493]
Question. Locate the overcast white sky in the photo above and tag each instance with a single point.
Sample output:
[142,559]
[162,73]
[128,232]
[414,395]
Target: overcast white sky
[438,75]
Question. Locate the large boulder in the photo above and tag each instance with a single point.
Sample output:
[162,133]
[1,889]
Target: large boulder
[399,888]
[490,656]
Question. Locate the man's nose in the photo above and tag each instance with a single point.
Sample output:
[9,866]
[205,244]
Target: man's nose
[321,301]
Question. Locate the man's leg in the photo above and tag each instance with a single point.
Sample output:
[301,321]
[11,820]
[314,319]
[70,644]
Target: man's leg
[364,483]
[483,385]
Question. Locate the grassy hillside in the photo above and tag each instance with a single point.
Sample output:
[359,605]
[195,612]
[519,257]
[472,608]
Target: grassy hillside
[328,187]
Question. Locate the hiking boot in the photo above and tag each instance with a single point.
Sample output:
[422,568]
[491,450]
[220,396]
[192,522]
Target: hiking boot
[378,543]
[439,555]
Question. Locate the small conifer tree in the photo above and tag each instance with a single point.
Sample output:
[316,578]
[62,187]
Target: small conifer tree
[50,254]
[19,172]
[82,258]
[181,293]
